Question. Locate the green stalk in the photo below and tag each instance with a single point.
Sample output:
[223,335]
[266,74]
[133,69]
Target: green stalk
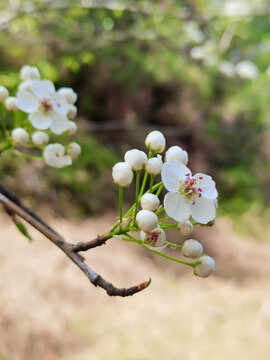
[193,264]
[174,245]
[138,174]
[151,182]
[167,226]
[4,127]
[121,189]
[143,183]
[27,155]
[165,219]
[159,189]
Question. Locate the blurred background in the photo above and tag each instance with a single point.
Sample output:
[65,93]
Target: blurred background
[199,71]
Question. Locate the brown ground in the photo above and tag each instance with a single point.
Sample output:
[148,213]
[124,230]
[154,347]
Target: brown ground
[49,311]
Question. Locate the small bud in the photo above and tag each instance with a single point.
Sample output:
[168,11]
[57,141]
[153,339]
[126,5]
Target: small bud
[206,266]
[11,103]
[72,128]
[136,159]
[146,220]
[155,239]
[3,94]
[29,73]
[25,86]
[54,155]
[72,112]
[122,174]
[74,150]
[20,136]
[185,227]
[40,138]
[149,202]
[154,165]
[192,249]
[69,94]
[155,141]
[177,153]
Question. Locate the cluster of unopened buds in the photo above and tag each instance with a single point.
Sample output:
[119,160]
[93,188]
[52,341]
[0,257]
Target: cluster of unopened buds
[190,200]
[38,111]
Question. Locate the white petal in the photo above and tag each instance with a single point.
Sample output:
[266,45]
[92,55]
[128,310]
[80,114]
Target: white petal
[43,89]
[39,120]
[27,102]
[177,206]
[172,173]
[208,186]
[60,123]
[203,210]
[59,104]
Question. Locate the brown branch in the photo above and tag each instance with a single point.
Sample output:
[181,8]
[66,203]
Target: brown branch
[84,246]
[68,249]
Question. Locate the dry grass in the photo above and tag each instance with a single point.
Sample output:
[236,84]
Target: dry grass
[49,311]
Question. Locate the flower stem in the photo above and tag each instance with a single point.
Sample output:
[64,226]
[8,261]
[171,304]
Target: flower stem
[152,178]
[4,127]
[121,189]
[173,245]
[143,183]
[160,211]
[193,264]
[166,218]
[17,152]
[138,175]
[167,226]
[159,189]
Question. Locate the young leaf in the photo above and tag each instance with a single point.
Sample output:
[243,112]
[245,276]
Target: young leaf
[21,227]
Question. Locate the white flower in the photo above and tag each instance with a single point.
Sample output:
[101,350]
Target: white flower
[176,153]
[74,150]
[149,202]
[154,165]
[54,155]
[11,103]
[29,73]
[185,227]
[40,138]
[72,128]
[188,195]
[72,112]
[136,159]
[247,69]
[155,141]
[25,85]
[146,220]
[3,94]
[192,249]
[122,174]
[69,94]
[227,68]
[206,266]
[20,136]
[155,239]
[46,108]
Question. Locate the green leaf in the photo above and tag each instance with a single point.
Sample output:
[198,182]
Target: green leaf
[21,227]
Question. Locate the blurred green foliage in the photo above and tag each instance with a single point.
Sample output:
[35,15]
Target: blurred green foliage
[156,62]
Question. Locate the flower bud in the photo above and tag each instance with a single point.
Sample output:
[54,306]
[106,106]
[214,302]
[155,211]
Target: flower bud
[40,138]
[154,165]
[54,155]
[20,136]
[206,266]
[155,141]
[74,150]
[11,103]
[147,220]
[185,227]
[155,239]
[136,159]
[25,86]
[192,249]
[177,153]
[72,128]
[3,94]
[69,94]
[122,174]
[149,202]
[29,73]
[72,112]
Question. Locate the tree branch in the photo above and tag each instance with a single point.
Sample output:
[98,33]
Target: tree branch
[69,249]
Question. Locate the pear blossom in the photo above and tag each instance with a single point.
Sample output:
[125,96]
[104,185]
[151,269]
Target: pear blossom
[192,249]
[205,267]
[55,156]
[46,108]
[20,136]
[149,202]
[69,95]
[3,94]
[122,174]
[154,165]
[72,112]
[137,159]
[74,150]
[40,138]
[11,103]
[188,195]
[25,85]
[72,128]
[185,227]
[155,239]
[247,69]
[176,153]
[146,220]
[29,73]
[155,141]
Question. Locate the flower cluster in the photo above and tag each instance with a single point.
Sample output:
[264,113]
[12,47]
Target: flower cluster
[42,112]
[190,200]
